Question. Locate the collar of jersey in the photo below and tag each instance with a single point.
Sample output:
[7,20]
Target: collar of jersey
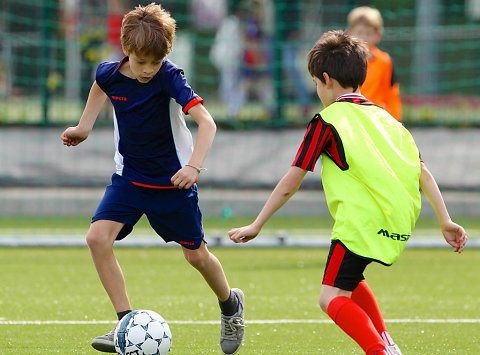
[354,98]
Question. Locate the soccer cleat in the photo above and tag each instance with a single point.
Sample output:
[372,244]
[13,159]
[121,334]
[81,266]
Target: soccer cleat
[394,349]
[105,343]
[384,351]
[233,327]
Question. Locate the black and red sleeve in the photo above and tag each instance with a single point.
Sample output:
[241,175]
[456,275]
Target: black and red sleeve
[321,137]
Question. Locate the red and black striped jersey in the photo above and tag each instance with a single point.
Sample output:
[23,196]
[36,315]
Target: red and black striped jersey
[322,137]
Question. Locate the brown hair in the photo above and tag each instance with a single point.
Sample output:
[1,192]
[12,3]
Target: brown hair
[148,30]
[366,15]
[341,56]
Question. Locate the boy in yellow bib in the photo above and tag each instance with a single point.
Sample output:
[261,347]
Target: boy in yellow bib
[371,175]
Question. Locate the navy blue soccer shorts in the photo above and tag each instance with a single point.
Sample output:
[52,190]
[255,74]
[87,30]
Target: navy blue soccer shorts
[344,269]
[173,213]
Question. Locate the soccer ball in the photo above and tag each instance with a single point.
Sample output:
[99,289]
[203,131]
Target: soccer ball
[143,332]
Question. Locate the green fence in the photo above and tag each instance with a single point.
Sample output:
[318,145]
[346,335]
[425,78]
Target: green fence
[49,50]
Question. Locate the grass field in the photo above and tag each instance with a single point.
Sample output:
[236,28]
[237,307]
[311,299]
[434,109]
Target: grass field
[429,298]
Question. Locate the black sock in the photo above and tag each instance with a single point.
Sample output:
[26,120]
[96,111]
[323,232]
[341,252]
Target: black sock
[230,306]
[120,315]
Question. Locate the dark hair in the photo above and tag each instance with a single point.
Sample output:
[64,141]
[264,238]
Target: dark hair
[148,30]
[342,57]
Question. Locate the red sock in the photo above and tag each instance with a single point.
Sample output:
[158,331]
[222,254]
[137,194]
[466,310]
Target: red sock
[364,297]
[355,322]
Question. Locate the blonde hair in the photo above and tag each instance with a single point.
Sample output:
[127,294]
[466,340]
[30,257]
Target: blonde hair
[148,30]
[366,15]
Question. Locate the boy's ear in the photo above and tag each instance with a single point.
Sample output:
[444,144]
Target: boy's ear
[328,80]
[124,51]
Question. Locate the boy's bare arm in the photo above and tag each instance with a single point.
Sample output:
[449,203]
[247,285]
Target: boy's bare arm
[285,189]
[186,177]
[454,234]
[76,135]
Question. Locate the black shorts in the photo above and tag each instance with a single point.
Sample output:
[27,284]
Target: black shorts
[344,269]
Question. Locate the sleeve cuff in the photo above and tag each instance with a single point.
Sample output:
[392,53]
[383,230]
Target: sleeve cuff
[192,103]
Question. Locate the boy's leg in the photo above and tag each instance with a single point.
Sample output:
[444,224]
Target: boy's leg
[351,318]
[364,297]
[100,239]
[343,273]
[231,300]
[210,268]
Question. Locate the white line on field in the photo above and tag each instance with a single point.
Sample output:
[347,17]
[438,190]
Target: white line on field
[264,321]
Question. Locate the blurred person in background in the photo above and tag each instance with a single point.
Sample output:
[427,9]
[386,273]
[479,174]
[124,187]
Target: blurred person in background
[294,55]
[242,53]
[257,75]
[226,55]
[380,86]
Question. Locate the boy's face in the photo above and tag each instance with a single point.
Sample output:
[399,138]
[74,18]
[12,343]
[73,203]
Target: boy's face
[144,67]
[365,33]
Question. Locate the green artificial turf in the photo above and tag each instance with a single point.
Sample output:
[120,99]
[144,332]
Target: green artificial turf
[60,284]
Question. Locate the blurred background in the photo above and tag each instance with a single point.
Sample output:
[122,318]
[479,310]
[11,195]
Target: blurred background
[247,59]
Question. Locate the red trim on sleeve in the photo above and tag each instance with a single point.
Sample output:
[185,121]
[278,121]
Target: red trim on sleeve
[192,103]
[334,265]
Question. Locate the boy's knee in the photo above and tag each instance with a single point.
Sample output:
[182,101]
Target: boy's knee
[196,258]
[93,239]
[323,302]
[96,239]
[328,293]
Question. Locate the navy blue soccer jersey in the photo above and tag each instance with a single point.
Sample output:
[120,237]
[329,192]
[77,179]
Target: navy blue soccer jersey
[152,140]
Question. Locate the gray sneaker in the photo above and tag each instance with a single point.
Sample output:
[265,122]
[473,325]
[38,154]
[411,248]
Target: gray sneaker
[233,327]
[105,343]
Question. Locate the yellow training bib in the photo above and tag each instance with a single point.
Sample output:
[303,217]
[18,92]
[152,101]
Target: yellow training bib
[376,201]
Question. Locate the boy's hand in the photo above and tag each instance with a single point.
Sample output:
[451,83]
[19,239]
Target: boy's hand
[243,234]
[455,235]
[185,177]
[74,136]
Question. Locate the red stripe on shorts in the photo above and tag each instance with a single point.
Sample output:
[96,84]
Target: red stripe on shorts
[334,265]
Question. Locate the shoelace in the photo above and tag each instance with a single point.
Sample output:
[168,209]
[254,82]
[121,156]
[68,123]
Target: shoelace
[230,327]
[110,335]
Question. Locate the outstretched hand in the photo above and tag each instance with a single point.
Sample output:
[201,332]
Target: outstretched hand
[243,234]
[73,136]
[455,235]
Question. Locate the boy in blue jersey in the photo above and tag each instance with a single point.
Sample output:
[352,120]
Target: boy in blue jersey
[157,164]
[371,175]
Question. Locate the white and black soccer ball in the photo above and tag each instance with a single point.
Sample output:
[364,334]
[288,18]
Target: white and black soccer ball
[143,332]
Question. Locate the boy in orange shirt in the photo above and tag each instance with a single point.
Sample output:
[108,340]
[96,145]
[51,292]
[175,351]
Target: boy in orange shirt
[380,85]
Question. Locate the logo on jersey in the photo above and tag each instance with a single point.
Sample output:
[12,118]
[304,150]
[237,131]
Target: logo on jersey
[119,98]
[394,236]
